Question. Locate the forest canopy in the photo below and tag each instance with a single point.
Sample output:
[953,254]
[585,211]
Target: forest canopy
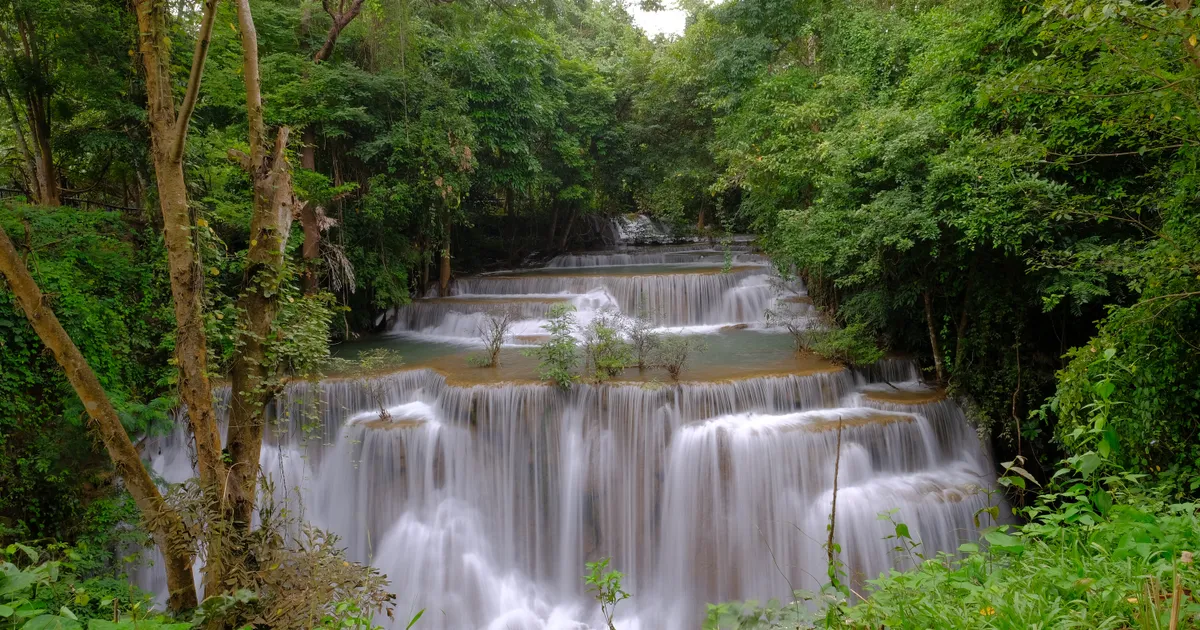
[215,192]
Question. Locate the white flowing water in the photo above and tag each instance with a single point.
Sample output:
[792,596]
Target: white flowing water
[483,503]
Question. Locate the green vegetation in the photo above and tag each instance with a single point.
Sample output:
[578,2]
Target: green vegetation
[559,355]
[672,353]
[1005,190]
[606,352]
[605,587]
[1097,549]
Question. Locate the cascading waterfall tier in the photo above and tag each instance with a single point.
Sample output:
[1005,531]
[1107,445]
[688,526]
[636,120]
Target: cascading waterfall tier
[483,502]
[703,296]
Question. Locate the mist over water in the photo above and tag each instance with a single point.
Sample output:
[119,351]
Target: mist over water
[483,502]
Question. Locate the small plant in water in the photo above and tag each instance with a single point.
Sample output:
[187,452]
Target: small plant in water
[643,341]
[674,351]
[559,355]
[492,331]
[377,360]
[605,587]
[605,350]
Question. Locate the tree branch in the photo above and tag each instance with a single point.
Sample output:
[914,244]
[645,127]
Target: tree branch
[250,71]
[193,87]
[340,20]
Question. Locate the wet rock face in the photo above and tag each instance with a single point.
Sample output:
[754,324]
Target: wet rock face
[481,492]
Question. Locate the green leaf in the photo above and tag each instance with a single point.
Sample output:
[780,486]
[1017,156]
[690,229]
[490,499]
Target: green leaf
[999,541]
[1088,463]
[5,611]
[417,617]
[51,622]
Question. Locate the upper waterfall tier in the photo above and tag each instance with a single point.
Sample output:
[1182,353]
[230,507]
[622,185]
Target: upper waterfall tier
[736,253]
[681,296]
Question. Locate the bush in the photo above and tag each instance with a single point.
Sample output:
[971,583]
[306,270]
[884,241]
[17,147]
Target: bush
[492,332]
[559,355]
[643,341]
[673,352]
[605,351]
[853,344]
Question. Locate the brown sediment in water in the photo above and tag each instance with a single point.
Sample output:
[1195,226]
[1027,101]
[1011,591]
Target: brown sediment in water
[497,300]
[734,327]
[517,369]
[875,419]
[389,424]
[906,396]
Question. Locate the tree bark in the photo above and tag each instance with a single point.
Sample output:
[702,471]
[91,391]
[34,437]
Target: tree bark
[37,108]
[960,341]
[165,524]
[342,17]
[444,270]
[258,304]
[309,222]
[30,173]
[167,137]
[934,344]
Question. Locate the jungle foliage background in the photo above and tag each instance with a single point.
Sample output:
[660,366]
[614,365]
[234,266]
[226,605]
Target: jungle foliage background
[1006,190]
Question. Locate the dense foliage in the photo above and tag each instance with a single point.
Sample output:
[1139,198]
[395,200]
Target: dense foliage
[1005,190]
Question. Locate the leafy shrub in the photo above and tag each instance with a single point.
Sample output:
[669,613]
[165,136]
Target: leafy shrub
[643,340]
[605,351]
[606,588]
[39,592]
[674,351]
[559,355]
[1141,374]
[853,344]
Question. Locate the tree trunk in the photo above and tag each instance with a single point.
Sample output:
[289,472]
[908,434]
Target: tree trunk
[934,344]
[444,270]
[163,522]
[960,340]
[567,231]
[167,136]
[47,175]
[309,222]
[30,173]
[270,224]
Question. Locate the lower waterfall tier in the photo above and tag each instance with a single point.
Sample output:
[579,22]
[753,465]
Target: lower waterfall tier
[482,503]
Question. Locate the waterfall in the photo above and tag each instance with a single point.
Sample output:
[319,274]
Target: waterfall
[482,503]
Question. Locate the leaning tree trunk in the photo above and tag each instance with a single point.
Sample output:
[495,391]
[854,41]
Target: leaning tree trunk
[164,523]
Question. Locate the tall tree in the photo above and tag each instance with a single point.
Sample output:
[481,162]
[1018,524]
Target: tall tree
[23,36]
[270,224]
[168,136]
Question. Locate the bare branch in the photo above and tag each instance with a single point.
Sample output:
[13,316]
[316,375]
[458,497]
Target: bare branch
[193,87]
[340,20]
